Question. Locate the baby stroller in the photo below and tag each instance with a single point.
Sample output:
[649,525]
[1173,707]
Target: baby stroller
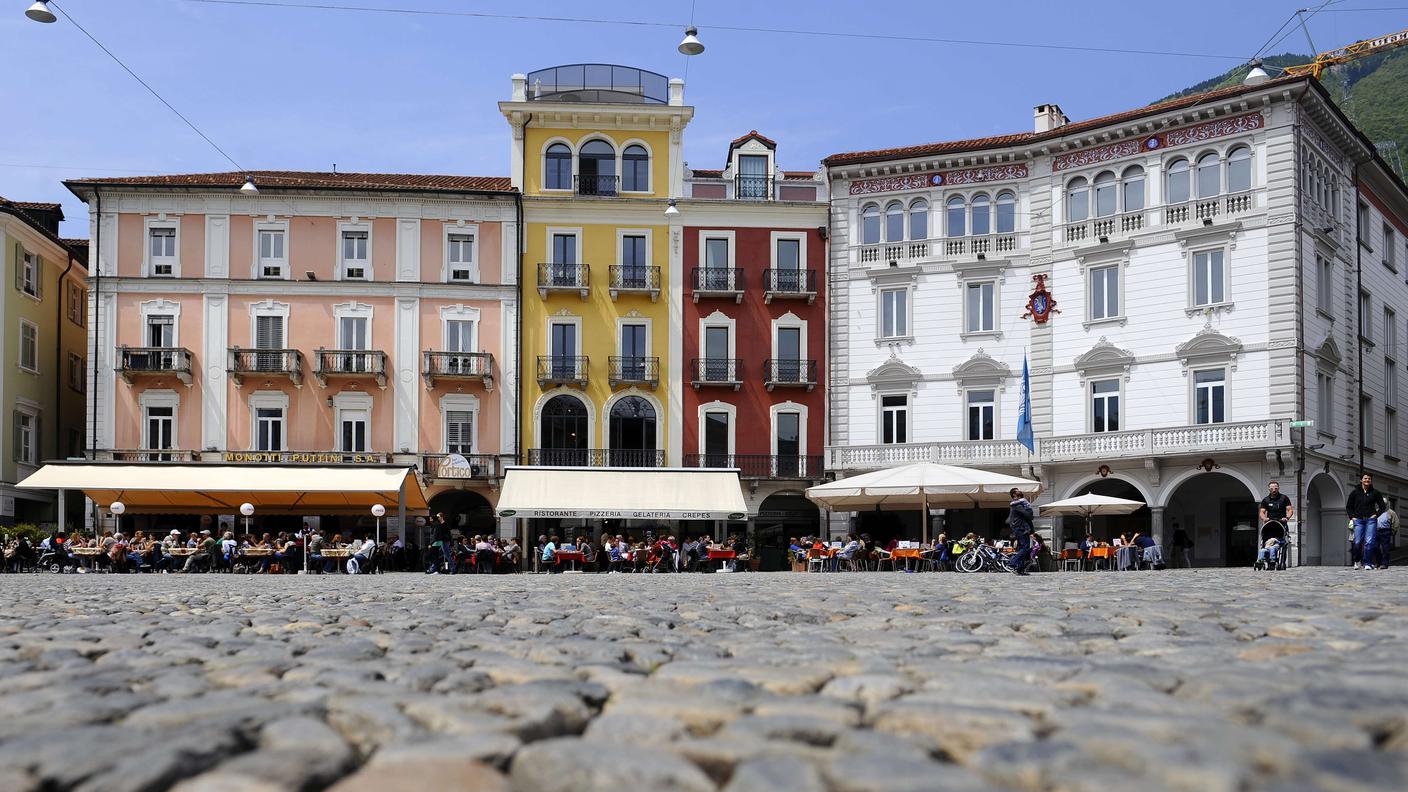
[1273,547]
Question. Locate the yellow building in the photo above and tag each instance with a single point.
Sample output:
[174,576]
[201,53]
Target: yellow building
[597,155]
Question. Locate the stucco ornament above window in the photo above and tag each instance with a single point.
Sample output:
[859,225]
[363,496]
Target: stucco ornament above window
[1209,346]
[1104,360]
[893,375]
[981,371]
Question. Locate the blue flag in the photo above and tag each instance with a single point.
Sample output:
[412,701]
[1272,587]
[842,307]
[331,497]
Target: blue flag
[1024,411]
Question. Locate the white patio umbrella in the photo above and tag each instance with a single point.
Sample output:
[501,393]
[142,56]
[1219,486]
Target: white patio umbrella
[1090,504]
[920,486]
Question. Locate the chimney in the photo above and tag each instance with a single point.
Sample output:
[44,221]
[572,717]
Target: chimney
[520,88]
[1049,117]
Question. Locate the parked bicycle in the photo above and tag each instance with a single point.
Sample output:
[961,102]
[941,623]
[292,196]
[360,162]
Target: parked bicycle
[985,558]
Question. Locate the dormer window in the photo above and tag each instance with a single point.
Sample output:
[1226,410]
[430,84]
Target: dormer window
[752,180]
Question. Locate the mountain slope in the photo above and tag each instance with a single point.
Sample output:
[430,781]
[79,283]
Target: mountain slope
[1372,91]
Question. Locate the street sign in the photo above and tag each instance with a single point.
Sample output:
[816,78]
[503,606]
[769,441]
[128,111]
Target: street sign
[1302,424]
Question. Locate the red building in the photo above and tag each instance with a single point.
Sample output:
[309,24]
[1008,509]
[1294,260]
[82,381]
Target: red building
[754,332]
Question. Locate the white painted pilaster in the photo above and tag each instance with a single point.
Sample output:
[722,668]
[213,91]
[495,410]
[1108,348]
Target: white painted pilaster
[408,249]
[405,388]
[214,390]
[217,246]
[674,408]
[506,378]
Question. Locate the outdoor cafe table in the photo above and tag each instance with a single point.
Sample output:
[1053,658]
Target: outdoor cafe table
[573,557]
[722,556]
[1107,553]
[909,554]
[87,555]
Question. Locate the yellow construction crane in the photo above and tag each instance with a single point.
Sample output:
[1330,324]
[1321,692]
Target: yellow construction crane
[1356,50]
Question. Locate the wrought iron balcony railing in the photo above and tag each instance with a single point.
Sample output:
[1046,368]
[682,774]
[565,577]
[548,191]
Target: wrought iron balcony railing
[752,188]
[789,283]
[789,374]
[717,282]
[562,369]
[717,371]
[349,363]
[139,361]
[555,276]
[596,457]
[598,185]
[762,466]
[458,366]
[460,466]
[265,363]
[149,455]
[635,278]
[634,371]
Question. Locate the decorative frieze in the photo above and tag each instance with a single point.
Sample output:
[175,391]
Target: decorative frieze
[1197,133]
[953,178]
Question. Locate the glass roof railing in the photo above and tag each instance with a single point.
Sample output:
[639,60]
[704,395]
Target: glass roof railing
[598,83]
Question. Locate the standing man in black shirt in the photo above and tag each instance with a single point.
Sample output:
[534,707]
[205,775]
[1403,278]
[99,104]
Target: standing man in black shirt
[1363,506]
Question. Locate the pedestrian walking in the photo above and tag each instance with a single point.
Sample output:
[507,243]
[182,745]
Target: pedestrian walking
[1182,546]
[1019,520]
[1384,534]
[1363,506]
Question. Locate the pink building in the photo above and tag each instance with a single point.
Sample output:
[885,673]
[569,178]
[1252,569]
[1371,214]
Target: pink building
[344,318]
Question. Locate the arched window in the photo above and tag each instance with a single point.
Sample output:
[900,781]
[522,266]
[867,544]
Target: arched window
[559,167]
[1077,200]
[635,169]
[1006,213]
[563,431]
[1178,187]
[870,225]
[1133,183]
[1239,170]
[919,219]
[632,430]
[1105,194]
[894,222]
[1209,176]
[956,211]
[982,214]
[596,169]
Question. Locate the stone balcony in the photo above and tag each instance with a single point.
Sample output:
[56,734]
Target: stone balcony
[1103,446]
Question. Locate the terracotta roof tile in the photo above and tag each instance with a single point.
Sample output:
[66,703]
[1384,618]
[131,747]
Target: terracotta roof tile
[41,206]
[1002,141]
[313,180]
[706,174]
[76,243]
[799,175]
[753,135]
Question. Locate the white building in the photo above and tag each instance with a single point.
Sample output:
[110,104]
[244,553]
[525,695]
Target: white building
[1183,341]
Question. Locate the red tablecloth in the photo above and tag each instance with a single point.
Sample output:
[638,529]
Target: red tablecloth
[577,556]
[722,555]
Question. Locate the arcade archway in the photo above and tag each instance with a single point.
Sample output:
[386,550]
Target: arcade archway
[1219,512]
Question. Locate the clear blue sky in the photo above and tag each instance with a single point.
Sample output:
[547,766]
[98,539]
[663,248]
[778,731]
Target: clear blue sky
[303,89]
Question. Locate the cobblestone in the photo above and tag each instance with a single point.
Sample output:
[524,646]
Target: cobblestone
[1182,680]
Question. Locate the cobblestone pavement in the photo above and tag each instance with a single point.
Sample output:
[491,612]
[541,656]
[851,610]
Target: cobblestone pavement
[1190,680]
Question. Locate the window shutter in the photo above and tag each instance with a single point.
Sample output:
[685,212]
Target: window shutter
[458,431]
[19,267]
[34,441]
[15,445]
[269,332]
[39,277]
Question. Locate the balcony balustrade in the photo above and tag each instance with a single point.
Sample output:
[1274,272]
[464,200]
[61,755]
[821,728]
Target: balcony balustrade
[460,466]
[717,371]
[563,370]
[635,279]
[149,455]
[596,457]
[459,366]
[718,282]
[350,364]
[555,276]
[267,363]
[938,249]
[752,187]
[789,284]
[598,185]
[136,362]
[762,466]
[644,371]
[789,374]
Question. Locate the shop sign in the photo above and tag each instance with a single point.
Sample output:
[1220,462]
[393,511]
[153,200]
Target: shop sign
[301,458]
[621,514]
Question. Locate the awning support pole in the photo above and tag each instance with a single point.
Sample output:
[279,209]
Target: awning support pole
[924,516]
[400,512]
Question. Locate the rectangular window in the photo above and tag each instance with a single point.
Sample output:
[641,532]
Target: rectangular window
[459,335]
[980,307]
[269,429]
[789,443]
[1390,248]
[718,275]
[272,254]
[633,352]
[634,264]
[162,243]
[1210,396]
[353,333]
[981,410]
[1324,283]
[1105,406]
[716,433]
[1104,292]
[269,334]
[894,313]
[1363,224]
[894,419]
[564,260]
[354,430]
[26,437]
[1390,332]
[717,365]
[1366,318]
[29,346]
[76,379]
[77,305]
[1390,383]
[563,348]
[354,255]
[30,274]
[1391,432]
[1325,402]
[161,428]
[460,253]
[161,330]
[459,431]
[1209,278]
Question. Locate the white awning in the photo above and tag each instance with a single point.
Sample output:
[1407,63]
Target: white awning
[220,489]
[622,493]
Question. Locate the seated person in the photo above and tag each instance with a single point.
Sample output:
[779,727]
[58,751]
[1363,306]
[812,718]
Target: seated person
[851,547]
[1270,552]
